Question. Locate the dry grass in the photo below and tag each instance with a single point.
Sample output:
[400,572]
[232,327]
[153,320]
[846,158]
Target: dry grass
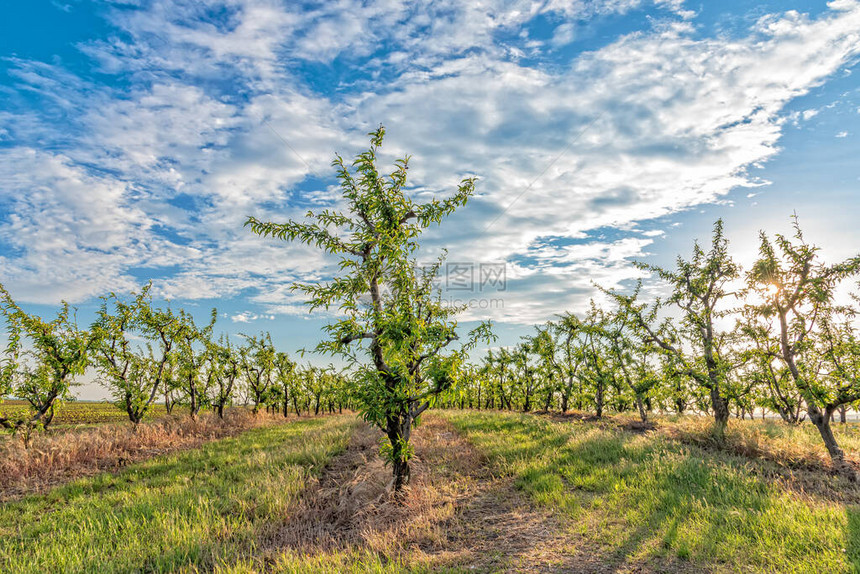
[57,458]
[791,455]
[522,494]
[791,446]
[643,502]
[194,510]
[350,508]
[456,515]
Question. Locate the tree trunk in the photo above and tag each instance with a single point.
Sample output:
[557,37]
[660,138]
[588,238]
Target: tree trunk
[598,401]
[721,413]
[641,405]
[194,406]
[398,431]
[503,399]
[548,400]
[401,474]
[821,420]
[837,456]
[48,417]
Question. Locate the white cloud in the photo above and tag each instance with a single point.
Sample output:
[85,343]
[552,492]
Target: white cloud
[562,35]
[250,317]
[808,114]
[216,122]
[671,129]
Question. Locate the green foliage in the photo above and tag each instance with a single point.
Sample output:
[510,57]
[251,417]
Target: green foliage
[701,289]
[124,367]
[257,358]
[394,326]
[798,326]
[398,450]
[194,352]
[42,374]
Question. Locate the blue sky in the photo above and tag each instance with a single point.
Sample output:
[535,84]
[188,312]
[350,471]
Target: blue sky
[135,137]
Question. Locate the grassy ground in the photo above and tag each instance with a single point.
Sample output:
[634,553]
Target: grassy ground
[491,492]
[633,496]
[197,509]
[792,446]
[53,458]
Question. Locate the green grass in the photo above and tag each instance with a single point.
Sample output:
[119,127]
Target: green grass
[640,497]
[198,509]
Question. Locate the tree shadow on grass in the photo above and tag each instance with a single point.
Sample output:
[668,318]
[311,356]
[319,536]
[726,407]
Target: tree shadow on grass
[853,536]
[643,503]
[590,472]
[526,495]
[194,507]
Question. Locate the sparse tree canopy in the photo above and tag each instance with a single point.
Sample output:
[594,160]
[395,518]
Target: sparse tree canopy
[697,347]
[809,340]
[133,376]
[58,352]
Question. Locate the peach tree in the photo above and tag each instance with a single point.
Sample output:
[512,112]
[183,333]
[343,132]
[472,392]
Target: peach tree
[395,330]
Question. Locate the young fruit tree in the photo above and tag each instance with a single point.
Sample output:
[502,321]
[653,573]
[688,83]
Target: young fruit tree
[285,378]
[809,338]
[225,366]
[194,352]
[257,358]
[569,329]
[132,373]
[698,348]
[498,364]
[394,328]
[597,373]
[58,351]
[631,360]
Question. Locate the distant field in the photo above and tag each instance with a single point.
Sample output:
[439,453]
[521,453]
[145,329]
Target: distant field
[80,413]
